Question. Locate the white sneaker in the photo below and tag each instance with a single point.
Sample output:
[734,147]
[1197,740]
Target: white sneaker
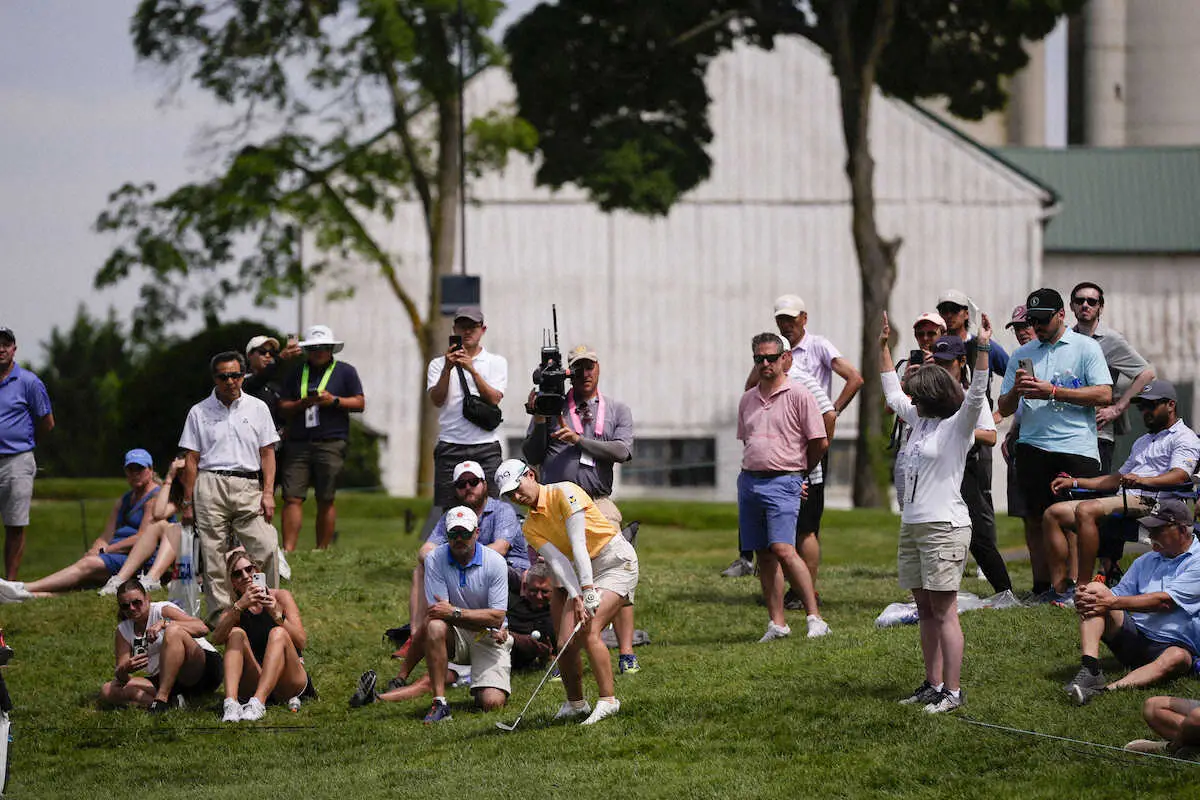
[285,569]
[254,710]
[568,710]
[13,592]
[817,627]
[604,708]
[775,632]
[233,711]
[110,587]
[149,584]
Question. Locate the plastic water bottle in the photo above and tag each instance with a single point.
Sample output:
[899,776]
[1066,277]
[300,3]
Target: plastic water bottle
[1056,380]
[294,704]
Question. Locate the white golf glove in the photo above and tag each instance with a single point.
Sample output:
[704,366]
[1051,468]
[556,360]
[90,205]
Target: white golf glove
[591,600]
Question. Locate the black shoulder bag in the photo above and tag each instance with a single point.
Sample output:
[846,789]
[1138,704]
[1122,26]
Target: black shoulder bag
[476,410]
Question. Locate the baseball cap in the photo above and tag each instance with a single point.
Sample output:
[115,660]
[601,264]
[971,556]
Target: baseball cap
[259,341]
[948,348]
[7,333]
[472,313]
[1157,389]
[1167,512]
[789,305]
[582,353]
[469,468]
[320,335]
[1043,304]
[140,457]
[930,316]
[509,474]
[1018,317]
[954,296]
[461,517]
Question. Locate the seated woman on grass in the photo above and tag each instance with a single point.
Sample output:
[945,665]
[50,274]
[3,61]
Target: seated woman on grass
[157,544]
[264,640]
[129,540]
[166,645]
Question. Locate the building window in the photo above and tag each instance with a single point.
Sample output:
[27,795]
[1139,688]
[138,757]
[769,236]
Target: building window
[672,463]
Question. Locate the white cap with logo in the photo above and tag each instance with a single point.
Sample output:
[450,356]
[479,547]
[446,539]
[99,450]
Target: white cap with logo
[508,476]
[789,305]
[461,517]
[469,468]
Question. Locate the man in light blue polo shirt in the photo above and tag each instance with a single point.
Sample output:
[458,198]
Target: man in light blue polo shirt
[1149,619]
[25,414]
[1058,398]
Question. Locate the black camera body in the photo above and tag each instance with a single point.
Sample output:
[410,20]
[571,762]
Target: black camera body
[550,378]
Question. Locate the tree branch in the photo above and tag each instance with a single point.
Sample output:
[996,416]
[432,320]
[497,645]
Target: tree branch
[400,123]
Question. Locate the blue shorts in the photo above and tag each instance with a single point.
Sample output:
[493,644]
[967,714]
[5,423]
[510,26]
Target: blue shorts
[114,561]
[767,510]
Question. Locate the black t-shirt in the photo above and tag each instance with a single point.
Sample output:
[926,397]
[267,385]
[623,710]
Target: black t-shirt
[522,616]
[268,387]
[333,423]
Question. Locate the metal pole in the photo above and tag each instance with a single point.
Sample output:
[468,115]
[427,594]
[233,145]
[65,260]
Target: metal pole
[462,138]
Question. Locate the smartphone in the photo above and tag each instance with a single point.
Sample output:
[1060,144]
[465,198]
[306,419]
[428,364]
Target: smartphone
[456,342]
[1027,365]
[916,357]
[260,579]
[139,646]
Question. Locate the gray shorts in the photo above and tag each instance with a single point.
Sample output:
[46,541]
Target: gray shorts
[16,487]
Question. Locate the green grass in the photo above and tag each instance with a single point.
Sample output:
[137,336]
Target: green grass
[712,714]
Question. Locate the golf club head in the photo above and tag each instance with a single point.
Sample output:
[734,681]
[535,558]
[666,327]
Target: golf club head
[509,728]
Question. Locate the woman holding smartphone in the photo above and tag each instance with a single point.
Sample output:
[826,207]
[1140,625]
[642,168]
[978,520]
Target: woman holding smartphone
[264,640]
[935,527]
[164,643]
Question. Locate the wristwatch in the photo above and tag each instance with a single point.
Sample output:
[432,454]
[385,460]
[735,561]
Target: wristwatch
[457,612]
[337,401]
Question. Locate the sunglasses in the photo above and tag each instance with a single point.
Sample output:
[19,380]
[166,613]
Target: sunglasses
[467,483]
[770,358]
[1086,301]
[459,533]
[1149,405]
[131,605]
[247,571]
[950,308]
[227,376]
[267,351]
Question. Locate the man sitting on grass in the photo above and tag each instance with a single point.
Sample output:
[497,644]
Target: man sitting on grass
[1149,620]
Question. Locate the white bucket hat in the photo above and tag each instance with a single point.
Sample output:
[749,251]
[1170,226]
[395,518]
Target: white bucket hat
[319,335]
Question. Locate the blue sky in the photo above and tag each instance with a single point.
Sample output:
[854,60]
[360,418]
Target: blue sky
[78,117]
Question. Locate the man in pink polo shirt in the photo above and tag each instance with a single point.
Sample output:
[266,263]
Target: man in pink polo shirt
[782,433]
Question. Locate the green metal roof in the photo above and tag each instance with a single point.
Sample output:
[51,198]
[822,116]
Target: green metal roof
[1118,200]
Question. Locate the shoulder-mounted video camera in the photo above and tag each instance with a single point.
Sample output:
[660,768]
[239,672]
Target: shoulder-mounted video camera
[550,378]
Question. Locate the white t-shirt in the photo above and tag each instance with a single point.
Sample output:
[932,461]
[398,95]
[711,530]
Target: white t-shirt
[816,474]
[125,628]
[452,427]
[229,438]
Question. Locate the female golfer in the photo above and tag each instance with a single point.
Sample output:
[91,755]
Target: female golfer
[935,528]
[264,640]
[164,643]
[565,526]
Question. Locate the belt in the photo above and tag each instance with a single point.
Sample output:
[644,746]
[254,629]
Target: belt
[770,473]
[233,473]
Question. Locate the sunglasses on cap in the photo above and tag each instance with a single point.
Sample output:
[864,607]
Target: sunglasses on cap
[768,357]
[459,533]
[1086,301]
[469,482]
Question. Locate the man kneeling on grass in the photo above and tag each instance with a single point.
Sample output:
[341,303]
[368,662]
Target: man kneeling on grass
[466,587]
[1149,619]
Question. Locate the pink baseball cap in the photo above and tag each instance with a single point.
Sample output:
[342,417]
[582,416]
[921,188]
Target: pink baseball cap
[930,316]
[1018,317]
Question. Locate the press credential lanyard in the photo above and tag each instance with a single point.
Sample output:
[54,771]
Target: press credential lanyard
[312,415]
[597,427]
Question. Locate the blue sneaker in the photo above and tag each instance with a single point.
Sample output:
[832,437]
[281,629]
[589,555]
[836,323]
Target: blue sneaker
[1064,599]
[438,712]
[556,676]
[628,665]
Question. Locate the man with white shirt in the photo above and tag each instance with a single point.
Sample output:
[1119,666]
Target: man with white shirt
[229,477]
[459,439]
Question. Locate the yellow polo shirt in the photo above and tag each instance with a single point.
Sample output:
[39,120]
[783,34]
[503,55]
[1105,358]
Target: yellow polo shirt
[547,521]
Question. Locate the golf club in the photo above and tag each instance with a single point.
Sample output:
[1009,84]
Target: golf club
[545,677]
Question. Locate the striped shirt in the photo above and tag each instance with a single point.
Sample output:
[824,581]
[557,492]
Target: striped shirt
[816,475]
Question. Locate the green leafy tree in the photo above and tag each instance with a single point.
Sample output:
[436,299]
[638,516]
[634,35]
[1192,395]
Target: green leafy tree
[346,110]
[616,91]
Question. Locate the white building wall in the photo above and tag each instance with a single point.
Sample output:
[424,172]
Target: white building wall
[671,304]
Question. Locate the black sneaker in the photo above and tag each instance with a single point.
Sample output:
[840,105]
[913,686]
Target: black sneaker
[792,601]
[365,693]
[396,683]
[159,707]
[1084,686]
[923,696]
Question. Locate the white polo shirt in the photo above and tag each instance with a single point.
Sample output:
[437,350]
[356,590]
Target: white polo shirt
[452,427]
[1154,454]
[229,438]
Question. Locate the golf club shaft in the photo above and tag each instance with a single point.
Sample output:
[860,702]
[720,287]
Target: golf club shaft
[553,664]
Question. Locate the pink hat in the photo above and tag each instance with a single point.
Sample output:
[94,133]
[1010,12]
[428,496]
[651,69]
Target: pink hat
[929,316]
[1018,317]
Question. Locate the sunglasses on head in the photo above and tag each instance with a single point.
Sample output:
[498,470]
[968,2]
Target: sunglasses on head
[1086,301]
[770,358]
[227,376]
[467,483]
[459,533]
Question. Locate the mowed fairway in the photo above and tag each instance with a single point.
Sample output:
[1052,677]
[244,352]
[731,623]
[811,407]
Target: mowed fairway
[712,714]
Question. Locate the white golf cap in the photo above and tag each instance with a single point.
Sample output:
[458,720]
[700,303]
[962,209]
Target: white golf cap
[509,474]
[461,517]
[929,316]
[469,468]
[790,305]
[954,296]
[259,341]
[320,335]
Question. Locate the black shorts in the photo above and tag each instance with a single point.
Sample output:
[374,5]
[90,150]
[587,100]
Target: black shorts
[210,680]
[317,464]
[811,509]
[1036,468]
[1133,648]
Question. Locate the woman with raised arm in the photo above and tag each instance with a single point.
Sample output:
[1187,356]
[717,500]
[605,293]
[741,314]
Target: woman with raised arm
[935,528]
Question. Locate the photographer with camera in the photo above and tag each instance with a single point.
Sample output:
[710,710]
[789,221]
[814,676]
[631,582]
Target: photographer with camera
[466,385]
[581,445]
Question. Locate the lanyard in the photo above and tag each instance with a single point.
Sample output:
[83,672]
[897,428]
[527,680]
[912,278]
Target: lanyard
[597,424]
[324,378]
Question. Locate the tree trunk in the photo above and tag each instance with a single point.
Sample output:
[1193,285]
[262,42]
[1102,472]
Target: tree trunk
[441,262]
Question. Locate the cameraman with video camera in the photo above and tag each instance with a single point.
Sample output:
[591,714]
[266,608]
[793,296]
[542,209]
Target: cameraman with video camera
[581,444]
